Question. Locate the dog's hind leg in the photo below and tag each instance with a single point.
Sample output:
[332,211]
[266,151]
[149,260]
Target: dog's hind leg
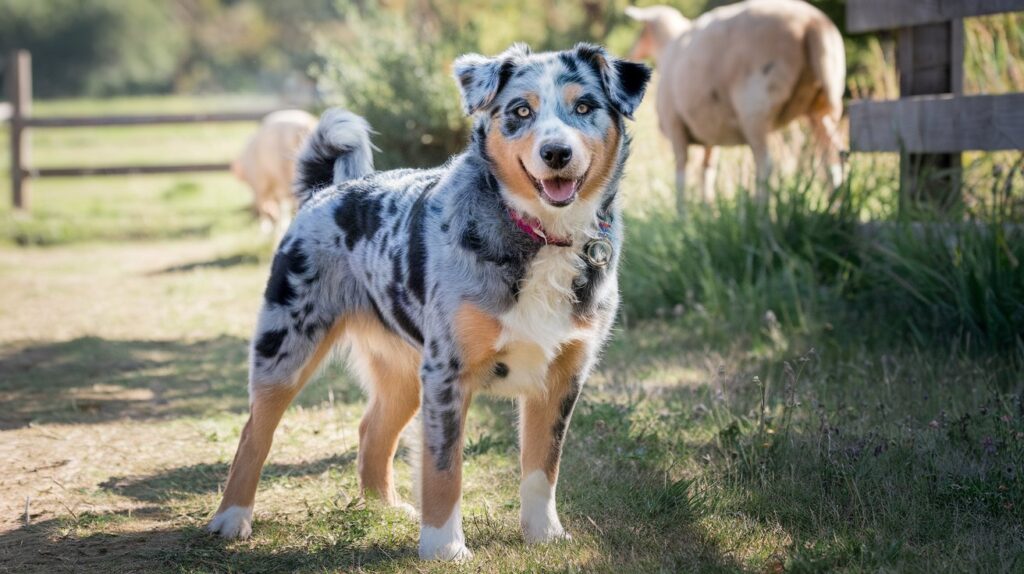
[293,336]
[543,423]
[389,367]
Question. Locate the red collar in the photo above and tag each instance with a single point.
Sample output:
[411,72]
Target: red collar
[533,227]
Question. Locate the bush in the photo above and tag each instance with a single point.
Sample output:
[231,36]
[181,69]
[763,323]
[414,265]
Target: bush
[402,85]
[96,47]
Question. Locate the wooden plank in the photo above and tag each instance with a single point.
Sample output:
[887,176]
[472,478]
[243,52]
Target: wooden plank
[875,15]
[938,124]
[929,59]
[125,170]
[97,121]
[19,86]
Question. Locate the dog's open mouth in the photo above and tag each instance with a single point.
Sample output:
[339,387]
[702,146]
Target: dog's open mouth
[557,191]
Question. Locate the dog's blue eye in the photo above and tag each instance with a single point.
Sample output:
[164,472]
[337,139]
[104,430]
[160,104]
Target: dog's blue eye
[523,111]
[582,109]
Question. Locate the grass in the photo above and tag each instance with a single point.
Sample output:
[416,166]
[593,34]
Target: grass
[759,408]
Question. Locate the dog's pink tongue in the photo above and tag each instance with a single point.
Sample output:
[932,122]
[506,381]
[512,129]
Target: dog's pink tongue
[558,189]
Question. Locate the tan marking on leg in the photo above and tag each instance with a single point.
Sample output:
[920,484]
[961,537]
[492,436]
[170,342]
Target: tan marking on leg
[267,405]
[391,367]
[476,332]
[540,449]
[441,489]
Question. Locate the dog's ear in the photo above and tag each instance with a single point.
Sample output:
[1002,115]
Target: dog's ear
[481,78]
[624,81]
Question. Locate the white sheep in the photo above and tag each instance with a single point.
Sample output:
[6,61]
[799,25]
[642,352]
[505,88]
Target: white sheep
[740,72]
[267,164]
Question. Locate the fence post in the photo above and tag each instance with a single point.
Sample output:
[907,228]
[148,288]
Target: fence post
[19,91]
[930,58]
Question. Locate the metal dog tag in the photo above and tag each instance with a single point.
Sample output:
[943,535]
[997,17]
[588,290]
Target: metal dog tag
[598,252]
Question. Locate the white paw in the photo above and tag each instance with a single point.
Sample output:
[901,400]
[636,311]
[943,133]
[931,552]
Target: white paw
[538,516]
[544,532]
[235,522]
[445,543]
[453,552]
[407,509]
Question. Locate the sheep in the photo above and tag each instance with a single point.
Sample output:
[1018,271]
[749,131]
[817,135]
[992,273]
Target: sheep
[740,72]
[267,164]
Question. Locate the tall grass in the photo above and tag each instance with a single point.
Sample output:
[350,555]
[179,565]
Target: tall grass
[809,266]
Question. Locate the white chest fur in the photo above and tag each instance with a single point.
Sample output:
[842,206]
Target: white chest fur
[539,324]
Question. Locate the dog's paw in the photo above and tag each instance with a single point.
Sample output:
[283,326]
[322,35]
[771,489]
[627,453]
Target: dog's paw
[454,552]
[235,522]
[407,509]
[545,532]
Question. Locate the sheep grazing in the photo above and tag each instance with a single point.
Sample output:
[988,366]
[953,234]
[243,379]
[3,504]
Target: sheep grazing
[740,72]
[267,164]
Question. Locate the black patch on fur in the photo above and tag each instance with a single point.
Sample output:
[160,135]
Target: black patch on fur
[450,429]
[584,288]
[401,317]
[568,61]
[767,68]
[270,342]
[470,239]
[500,370]
[418,245]
[286,262]
[714,96]
[358,215]
[565,409]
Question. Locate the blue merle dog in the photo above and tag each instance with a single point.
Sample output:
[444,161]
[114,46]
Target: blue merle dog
[495,273]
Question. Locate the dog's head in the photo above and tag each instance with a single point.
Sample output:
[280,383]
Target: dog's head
[551,123]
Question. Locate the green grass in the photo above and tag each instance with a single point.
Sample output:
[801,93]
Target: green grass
[777,397]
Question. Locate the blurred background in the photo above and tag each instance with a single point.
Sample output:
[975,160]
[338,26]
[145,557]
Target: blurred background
[838,385]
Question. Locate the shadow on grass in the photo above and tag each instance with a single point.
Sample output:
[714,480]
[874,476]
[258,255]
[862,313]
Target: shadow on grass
[205,478]
[114,542]
[217,263]
[90,380]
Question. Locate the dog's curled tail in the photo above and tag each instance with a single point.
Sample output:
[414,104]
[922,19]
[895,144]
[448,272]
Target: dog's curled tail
[337,151]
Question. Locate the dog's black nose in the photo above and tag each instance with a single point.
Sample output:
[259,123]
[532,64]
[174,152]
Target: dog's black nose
[556,155]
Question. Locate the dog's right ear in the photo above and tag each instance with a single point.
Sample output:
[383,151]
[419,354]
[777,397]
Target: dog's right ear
[481,78]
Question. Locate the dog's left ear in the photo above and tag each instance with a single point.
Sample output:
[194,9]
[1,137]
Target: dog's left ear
[624,81]
[481,78]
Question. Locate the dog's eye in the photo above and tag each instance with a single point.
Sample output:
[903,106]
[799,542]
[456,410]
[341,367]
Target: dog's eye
[523,111]
[582,109]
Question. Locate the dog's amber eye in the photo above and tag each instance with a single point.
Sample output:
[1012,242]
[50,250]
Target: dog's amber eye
[523,111]
[582,109]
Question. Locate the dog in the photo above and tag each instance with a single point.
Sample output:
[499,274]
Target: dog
[267,164]
[495,273]
[740,72]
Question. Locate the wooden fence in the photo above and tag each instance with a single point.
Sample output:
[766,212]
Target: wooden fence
[18,112]
[933,121]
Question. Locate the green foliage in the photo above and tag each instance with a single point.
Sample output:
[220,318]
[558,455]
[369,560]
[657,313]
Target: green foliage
[95,47]
[812,266]
[402,86]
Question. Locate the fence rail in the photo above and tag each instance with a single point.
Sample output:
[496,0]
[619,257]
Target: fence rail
[139,120]
[932,122]
[876,15]
[19,113]
[939,124]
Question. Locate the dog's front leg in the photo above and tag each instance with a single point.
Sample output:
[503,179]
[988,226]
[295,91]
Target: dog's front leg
[445,401]
[544,420]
